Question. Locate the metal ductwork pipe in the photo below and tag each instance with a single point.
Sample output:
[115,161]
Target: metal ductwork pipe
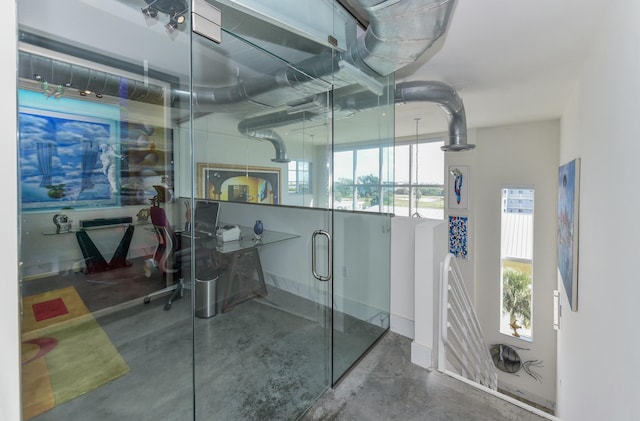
[417,91]
[67,75]
[448,100]
[399,32]
[274,138]
[252,89]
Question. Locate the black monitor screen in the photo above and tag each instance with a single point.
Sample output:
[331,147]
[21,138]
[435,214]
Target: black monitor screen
[206,216]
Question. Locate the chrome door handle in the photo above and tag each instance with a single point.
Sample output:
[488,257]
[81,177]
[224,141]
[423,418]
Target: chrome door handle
[313,256]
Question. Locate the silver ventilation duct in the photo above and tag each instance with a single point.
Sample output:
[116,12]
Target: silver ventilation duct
[67,75]
[274,138]
[399,32]
[417,91]
[448,100]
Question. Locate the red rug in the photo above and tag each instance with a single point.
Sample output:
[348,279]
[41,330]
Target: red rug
[49,309]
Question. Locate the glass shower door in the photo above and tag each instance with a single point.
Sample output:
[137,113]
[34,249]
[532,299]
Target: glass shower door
[261,129]
[363,168]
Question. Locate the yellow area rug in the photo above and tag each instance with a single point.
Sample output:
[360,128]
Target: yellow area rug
[65,352]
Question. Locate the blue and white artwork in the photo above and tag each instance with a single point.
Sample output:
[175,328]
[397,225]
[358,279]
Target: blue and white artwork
[66,160]
[458,236]
[568,205]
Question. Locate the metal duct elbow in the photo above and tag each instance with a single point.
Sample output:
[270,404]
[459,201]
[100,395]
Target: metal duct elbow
[399,32]
[271,136]
[449,101]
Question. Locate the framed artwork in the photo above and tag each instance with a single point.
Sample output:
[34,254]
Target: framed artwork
[458,186]
[82,150]
[237,183]
[458,236]
[67,158]
[147,156]
[568,212]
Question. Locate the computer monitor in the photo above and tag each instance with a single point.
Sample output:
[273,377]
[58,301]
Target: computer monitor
[206,216]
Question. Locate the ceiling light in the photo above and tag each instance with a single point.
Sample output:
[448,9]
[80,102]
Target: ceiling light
[150,12]
[172,25]
[174,9]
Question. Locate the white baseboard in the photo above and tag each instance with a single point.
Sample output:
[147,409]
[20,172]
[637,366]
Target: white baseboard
[402,326]
[421,355]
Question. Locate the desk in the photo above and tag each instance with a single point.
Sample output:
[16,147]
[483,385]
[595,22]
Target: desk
[94,260]
[241,261]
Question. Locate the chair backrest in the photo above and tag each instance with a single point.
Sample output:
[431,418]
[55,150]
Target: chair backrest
[158,216]
[167,244]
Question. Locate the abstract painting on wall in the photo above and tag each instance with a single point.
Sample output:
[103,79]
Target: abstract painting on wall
[458,236]
[65,157]
[235,183]
[568,207]
[458,186]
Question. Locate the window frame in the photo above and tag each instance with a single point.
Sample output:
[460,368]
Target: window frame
[299,181]
[525,334]
[387,184]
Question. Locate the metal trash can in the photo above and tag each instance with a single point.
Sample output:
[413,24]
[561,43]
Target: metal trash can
[206,297]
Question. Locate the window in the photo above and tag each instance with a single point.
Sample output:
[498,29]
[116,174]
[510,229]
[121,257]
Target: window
[299,177]
[358,175]
[363,176]
[419,183]
[516,262]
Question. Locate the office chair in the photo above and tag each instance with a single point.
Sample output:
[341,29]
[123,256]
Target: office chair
[167,256]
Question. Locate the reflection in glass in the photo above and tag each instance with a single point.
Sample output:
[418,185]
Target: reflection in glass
[242,122]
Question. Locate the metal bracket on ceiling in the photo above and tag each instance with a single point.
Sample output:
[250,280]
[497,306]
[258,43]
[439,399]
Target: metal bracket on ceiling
[206,20]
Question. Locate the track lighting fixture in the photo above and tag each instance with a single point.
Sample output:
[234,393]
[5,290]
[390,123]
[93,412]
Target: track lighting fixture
[47,89]
[175,9]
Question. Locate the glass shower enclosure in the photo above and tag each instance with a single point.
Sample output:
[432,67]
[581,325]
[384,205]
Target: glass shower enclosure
[129,114]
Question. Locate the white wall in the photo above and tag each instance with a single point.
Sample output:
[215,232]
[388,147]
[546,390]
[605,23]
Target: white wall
[9,329]
[522,155]
[468,159]
[598,346]
[430,250]
[403,275]
[411,256]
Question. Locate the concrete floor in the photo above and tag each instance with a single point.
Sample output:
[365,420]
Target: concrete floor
[257,362]
[385,385]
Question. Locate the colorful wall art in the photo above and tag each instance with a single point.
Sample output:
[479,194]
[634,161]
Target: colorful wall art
[458,187]
[239,183]
[458,236]
[568,207]
[67,158]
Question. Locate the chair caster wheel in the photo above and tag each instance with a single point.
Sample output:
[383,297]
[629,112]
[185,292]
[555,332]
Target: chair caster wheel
[147,300]
[167,307]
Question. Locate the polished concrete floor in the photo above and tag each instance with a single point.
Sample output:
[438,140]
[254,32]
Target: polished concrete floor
[265,360]
[385,385]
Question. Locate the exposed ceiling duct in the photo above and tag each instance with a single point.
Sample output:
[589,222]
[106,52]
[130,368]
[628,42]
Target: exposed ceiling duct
[448,100]
[416,91]
[61,74]
[398,33]
[274,138]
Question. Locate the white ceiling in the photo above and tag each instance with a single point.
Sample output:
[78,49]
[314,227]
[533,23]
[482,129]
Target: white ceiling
[510,60]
